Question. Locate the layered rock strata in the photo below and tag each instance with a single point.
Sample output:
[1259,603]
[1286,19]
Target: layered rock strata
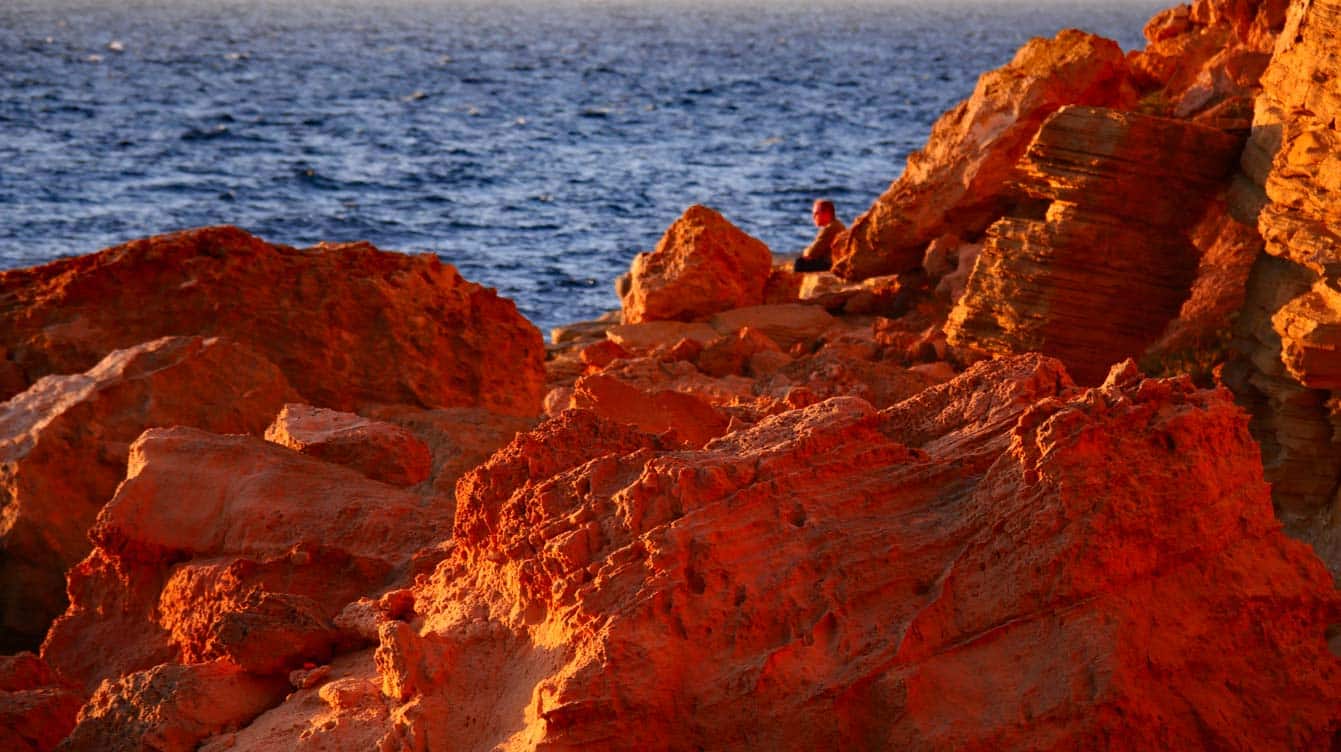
[703,264]
[833,576]
[1288,332]
[377,449]
[961,180]
[1205,59]
[64,444]
[349,325]
[1099,276]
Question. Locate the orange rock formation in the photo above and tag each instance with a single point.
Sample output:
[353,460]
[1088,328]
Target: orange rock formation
[1287,333]
[409,329]
[702,265]
[1100,275]
[959,182]
[63,449]
[760,511]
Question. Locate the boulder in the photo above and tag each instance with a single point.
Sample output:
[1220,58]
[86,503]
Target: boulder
[377,449]
[686,419]
[785,324]
[63,449]
[349,325]
[598,355]
[1206,55]
[702,265]
[648,336]
[459,439]
[731,354]
[1100,276]
[960,182]
[339,707]
[215,542]
[171,708]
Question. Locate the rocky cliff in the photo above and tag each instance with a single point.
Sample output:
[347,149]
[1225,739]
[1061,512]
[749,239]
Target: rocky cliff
[1287,333]
[333,499]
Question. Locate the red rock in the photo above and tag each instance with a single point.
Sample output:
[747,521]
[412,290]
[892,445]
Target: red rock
[784,324]
[1109,266]
[689,420]
[960,181]
[377,449]
[349,325]
[1203,55]
[1227,250]
[344,711]
[731,354]
[37,710]
[270,633]
[460,439]
[685,349]
[601,354]
[171,708]
[979,569]
[1287,331]
[213,541]
[650,335]
[572,439]
[63,447]
[836,371]
[702,265]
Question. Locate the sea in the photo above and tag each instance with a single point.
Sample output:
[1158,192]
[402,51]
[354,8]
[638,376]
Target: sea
[537,145]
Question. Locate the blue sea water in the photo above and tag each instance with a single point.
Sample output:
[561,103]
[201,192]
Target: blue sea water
[536,145]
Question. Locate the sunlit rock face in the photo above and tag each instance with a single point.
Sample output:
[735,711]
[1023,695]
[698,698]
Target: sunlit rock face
[703,264]
[1110,262]
[1204,60]
[825,519]
[969,569]
[64,443]
[961,180]
[1288,332]
[350,326]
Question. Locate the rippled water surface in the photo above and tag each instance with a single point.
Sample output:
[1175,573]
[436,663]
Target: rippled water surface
[537,146]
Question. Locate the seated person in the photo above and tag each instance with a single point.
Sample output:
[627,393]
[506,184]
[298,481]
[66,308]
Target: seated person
[818,256]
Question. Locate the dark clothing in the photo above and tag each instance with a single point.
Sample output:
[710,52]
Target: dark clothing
[818,256]
[804,264]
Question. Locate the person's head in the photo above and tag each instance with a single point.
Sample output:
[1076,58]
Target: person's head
[822,212]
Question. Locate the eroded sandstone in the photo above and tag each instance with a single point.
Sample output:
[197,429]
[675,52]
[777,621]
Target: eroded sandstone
[961,180]
[968,544]
[350,326]
[1101,274]
[64,444]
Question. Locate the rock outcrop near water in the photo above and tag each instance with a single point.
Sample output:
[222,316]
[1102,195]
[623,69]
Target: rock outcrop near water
[959,182]
[332,499]
[702,265]
[350,326]
[1100,275]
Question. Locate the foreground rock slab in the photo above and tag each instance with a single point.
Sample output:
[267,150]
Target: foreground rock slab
[349,325]
[981,566]
[231,547]
[64,444]
[377,449]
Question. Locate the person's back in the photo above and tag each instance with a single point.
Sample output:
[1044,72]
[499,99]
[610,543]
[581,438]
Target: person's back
[818,256]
